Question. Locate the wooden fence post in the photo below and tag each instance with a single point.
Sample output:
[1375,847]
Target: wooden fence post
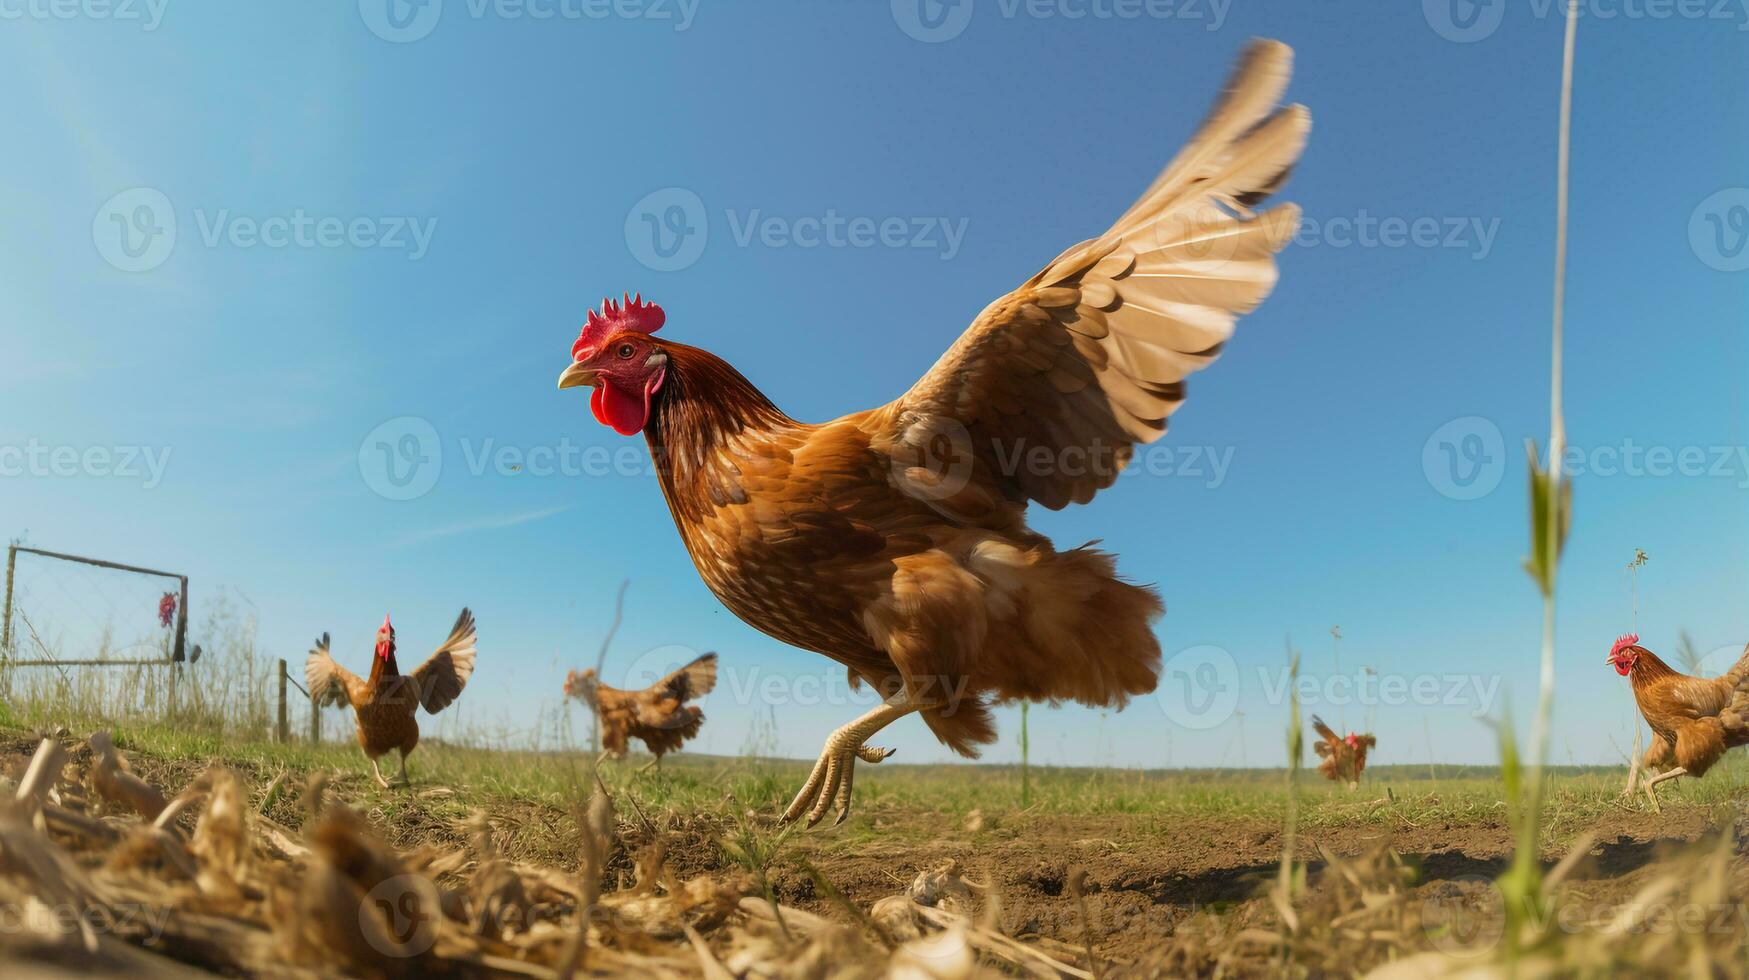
[284,730]
[6,615]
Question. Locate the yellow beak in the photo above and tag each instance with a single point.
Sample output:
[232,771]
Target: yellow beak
[576,375]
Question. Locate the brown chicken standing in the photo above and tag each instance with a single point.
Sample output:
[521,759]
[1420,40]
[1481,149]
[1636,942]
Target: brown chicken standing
[657,715]
[386,703]
[1344,757]
[894,540]
[1694,720]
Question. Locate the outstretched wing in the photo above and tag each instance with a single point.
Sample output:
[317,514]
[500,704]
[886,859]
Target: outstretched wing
[1089,356]
[440,679]
[694,680]
[1324,731]
[330,683]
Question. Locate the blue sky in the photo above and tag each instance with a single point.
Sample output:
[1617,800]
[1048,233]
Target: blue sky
[389,229]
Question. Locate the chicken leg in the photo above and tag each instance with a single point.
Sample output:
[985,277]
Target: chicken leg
[833,774]
[1651,781]
[378,772]
[405,779]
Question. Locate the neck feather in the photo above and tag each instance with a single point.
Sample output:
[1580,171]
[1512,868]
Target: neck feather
[1647,667]
[383,666]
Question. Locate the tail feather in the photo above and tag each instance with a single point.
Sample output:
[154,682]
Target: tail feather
[1738,676]
[963,726]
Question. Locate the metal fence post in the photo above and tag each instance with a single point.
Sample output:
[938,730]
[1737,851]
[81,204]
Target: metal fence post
[315,722]
[284,730]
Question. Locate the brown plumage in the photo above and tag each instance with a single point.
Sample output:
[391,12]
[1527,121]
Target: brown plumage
[1694,720]
[894,540]
[1344,758]
[657,715]
[386,703]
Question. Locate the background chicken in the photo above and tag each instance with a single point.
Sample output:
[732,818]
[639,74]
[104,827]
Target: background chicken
[386,703]
[894,540]
[658,715]
[1693,719]
[1344,757]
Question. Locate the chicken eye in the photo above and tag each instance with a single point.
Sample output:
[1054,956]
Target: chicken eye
[625,351]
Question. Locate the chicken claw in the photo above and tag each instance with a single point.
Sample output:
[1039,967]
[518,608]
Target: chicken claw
[1649,784]
[831,780]
[833,775]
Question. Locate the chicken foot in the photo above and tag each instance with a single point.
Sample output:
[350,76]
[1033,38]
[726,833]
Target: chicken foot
[834,773]
[378,773]
[1647,784]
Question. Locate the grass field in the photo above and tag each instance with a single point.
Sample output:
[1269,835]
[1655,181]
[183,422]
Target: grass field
[1169,863]
[1158,851]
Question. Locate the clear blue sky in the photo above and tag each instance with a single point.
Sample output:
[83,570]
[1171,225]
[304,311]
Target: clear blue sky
[261,354]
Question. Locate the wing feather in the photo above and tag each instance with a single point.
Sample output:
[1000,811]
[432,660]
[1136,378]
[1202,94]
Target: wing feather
[440,678]
[330,683]
[1091,353]
[694,680]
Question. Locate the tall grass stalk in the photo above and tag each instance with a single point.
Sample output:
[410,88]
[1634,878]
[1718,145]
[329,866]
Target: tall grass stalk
[1025,760]
[1551,508]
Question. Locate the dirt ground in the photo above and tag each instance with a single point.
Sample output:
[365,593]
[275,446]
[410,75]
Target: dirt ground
[1140,884]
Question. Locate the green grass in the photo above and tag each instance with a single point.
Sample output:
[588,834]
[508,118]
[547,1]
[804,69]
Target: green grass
[1392,797]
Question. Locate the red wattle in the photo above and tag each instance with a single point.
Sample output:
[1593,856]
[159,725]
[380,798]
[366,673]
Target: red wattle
[595,405]
[625,411]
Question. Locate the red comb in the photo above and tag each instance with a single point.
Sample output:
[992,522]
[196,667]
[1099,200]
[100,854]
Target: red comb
[630,314]
[1622,642]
